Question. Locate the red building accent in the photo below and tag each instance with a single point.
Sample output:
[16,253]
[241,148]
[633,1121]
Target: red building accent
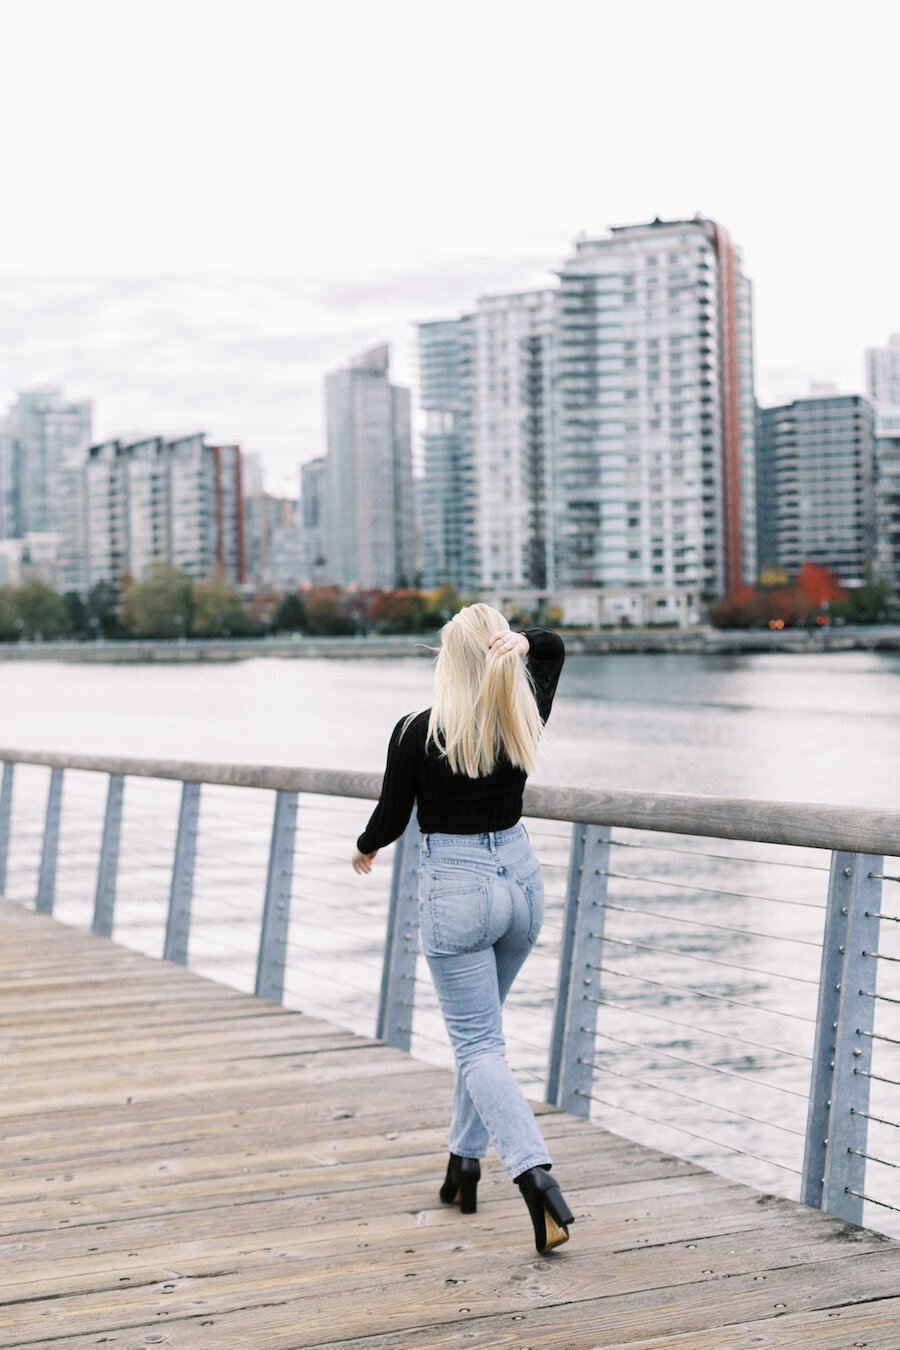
[240,551]
[239,524]
[731,402]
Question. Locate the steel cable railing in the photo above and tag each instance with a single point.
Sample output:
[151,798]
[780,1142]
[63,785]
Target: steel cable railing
[239,883]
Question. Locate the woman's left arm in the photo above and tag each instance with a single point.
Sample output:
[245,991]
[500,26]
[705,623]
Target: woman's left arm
[545,659]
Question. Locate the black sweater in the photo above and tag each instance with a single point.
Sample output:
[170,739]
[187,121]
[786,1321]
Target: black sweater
[448,802]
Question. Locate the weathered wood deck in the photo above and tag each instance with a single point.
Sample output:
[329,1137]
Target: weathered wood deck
[187,1166]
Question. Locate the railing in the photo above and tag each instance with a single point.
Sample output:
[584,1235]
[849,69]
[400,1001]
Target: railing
[758,1024]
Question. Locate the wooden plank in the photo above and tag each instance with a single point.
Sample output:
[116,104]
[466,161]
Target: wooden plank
[284,1309]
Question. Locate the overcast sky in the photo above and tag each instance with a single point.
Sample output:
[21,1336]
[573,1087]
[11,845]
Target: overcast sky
[206,205]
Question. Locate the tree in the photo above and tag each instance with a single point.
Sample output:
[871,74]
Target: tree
[326,614]
[821,588]
[9,630]
[868,603]
[102,609]
[41,610]
[161,605]
[77,612]
[399,611]
[218,611]
[290,616]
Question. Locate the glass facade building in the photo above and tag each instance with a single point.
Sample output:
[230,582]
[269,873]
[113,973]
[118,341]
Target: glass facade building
[883,372]
[654,440]
[370,536]
[817,485]
[887,498]
[40,429]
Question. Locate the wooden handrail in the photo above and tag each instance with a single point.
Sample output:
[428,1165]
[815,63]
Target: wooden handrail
[855,829]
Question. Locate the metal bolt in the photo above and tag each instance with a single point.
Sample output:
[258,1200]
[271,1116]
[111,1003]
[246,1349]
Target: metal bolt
[848,871]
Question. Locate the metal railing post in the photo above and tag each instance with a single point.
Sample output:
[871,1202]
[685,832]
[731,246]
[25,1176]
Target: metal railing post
[46,889]
[398,990]
[571,1071]
[181,891]
[6,791]
[834,1164]
[277,908]
[108,867]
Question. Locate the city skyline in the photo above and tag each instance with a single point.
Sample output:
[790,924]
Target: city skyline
[215,258]
[219,389]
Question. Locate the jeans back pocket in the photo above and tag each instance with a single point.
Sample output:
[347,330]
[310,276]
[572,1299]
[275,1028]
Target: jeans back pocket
[454,912]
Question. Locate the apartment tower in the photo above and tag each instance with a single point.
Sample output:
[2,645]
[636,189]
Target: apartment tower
[370,536]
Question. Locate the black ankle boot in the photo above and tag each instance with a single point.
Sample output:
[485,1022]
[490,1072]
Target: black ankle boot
[461,1183]
[549,1212]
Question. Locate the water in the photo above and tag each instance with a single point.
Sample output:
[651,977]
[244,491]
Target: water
[712,949]
[799,727]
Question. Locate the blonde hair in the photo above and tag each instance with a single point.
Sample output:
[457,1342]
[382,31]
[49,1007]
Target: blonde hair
[483,698]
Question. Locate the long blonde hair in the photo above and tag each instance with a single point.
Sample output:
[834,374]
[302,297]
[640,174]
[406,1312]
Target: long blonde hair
[483,700]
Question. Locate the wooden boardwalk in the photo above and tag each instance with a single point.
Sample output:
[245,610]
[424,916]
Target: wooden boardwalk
[186,1166]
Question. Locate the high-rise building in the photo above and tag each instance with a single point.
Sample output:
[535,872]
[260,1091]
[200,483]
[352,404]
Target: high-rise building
[41,427]
[600,434]
[8,494]
[314,517]
[370,536]
[654,470]
[128,504]
[230,542]
[448,494]
[815,464]
[883,372]
[887,497]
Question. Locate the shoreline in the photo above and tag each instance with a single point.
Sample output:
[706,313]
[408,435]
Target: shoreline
[705,642]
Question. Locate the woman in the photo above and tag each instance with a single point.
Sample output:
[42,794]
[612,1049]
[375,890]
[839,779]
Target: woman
[464,762]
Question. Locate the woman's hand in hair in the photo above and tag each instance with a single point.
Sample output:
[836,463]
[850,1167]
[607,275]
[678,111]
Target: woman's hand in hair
[506,643]
[362,862]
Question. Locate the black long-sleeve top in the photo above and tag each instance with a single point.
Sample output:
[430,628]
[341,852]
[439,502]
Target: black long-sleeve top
[448,802]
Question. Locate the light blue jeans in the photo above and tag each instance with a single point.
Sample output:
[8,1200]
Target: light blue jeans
[481,905]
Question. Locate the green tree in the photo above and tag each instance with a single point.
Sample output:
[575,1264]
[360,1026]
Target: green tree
[290,616]
[41,610]
[161,605]
[326,613]
[868,603]
[102,611]
[218,610]
[77,612]
[9,613]
[399,611]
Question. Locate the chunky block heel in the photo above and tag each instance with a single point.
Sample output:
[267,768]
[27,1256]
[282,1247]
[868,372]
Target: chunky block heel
[550,1215]
[461,1183]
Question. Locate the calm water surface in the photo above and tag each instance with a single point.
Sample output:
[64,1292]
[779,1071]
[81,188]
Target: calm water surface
[801,727]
